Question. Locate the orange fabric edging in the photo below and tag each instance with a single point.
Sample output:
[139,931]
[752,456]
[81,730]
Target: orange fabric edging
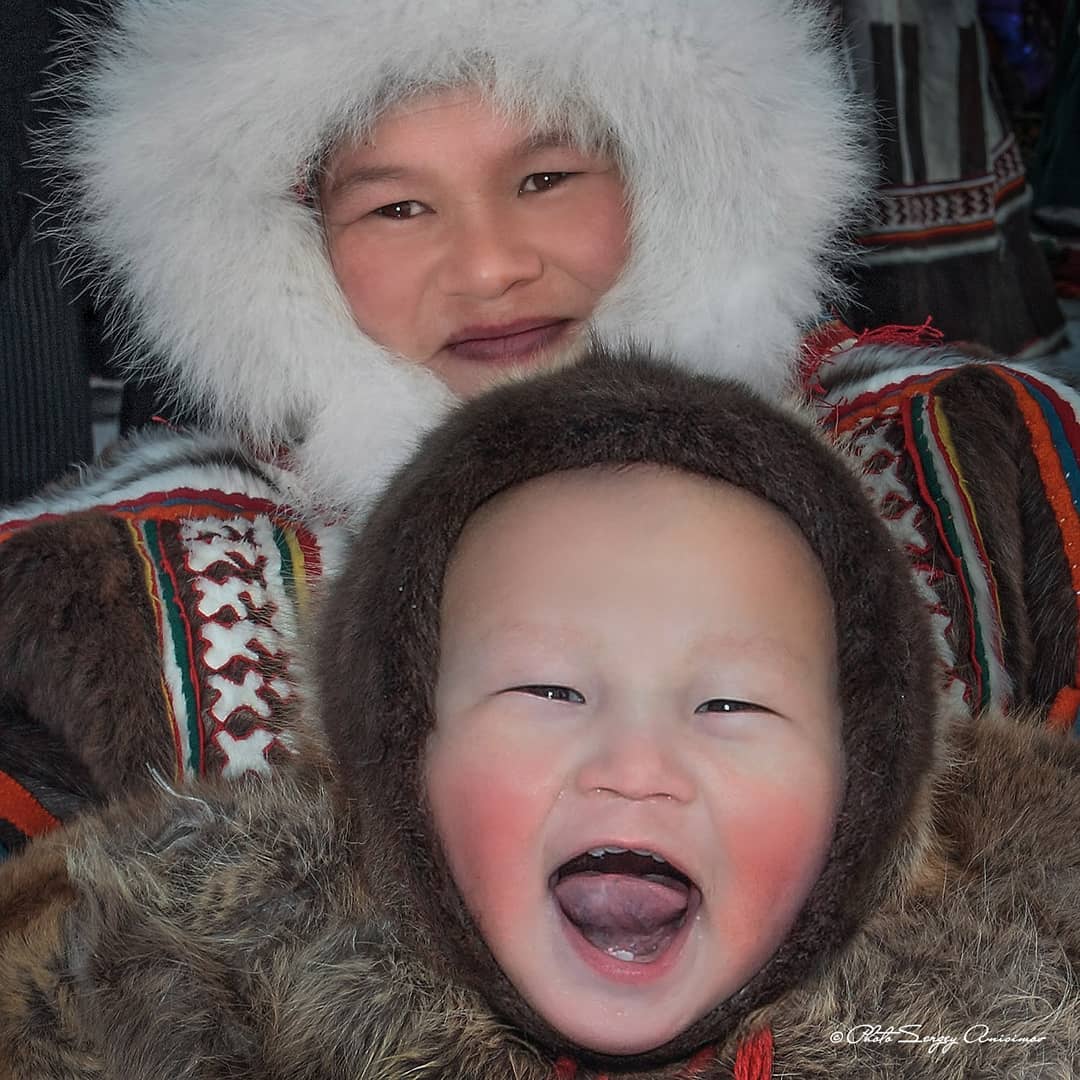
[1060,498]
[19,807]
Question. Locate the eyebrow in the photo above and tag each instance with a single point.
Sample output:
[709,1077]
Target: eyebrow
[358,177]
[373,174]
[540,140]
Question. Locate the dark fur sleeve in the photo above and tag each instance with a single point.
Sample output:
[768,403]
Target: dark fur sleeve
[970,463]
[79,651]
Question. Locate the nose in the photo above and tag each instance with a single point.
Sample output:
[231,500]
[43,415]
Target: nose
[638,759]
[489,254]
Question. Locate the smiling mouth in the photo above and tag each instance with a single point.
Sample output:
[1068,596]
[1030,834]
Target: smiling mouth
[509,343]
[629,905]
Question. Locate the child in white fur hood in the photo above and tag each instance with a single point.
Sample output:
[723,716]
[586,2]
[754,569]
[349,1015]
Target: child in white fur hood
[327,222]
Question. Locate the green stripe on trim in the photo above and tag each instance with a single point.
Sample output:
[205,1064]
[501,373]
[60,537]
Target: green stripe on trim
[288,571]
[170,603]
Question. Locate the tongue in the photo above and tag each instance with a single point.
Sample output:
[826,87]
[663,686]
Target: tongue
[634,917]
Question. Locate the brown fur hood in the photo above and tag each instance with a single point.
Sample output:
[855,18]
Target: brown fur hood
[222,933]
[379,640]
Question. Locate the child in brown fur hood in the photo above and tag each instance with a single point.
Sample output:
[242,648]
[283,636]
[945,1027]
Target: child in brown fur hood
[640,772]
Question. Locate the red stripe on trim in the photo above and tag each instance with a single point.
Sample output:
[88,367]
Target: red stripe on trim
[19,807]
[871,404]
[140,546]
[309,548]
[872,240]
[193,658]
[1061,407]
[981,676]
[931,505]
[194,503]
[1064,709]
[754,1061]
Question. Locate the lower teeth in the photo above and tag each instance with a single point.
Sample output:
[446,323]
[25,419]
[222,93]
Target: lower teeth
[621,954]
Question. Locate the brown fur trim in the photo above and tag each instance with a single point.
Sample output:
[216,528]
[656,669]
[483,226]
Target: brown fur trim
[379,642]
[36,1004]
[79,649]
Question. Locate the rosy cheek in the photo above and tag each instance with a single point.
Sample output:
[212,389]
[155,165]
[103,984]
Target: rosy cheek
[775,858]
[373,297]
[489,828]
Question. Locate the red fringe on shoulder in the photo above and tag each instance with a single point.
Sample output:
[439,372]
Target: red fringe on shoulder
[753,1061]
[825,342]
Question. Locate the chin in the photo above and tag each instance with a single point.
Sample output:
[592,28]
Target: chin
[621,1036]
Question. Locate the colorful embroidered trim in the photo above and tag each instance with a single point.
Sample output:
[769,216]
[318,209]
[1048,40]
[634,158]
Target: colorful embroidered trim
[941,479]
[945,495]
[943,211]
[753,1061]
[226,594]
[823,343]
[176,505]
[755,1057]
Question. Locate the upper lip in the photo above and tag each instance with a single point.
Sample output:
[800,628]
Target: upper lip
[486,331]
[657,848]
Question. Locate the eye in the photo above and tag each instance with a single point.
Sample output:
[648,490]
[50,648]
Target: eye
[401,211]
[551,693]
[729,705]
[541,181]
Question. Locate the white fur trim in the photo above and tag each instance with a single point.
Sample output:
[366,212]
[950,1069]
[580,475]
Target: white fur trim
[153,462]
[741,156]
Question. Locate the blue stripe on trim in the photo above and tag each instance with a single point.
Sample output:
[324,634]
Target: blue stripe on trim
[1069,465]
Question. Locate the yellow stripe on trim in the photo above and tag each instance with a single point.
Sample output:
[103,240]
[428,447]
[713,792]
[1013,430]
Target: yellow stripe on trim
[149,580]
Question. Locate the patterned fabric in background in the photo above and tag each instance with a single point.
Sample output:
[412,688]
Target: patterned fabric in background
[44,361]
[952,234]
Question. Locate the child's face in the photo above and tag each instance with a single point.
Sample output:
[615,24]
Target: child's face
[640,660]
[465,242]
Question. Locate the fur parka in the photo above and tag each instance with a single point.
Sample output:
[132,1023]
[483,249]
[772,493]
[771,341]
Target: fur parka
[169,582]
[306,926]
[225,934]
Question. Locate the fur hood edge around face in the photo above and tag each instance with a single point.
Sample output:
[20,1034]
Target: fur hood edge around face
[735,126]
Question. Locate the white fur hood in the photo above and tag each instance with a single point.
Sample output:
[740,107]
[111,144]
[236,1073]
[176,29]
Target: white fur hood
[738,139]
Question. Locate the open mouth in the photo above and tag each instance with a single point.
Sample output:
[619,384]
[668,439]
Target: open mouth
[629,904]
